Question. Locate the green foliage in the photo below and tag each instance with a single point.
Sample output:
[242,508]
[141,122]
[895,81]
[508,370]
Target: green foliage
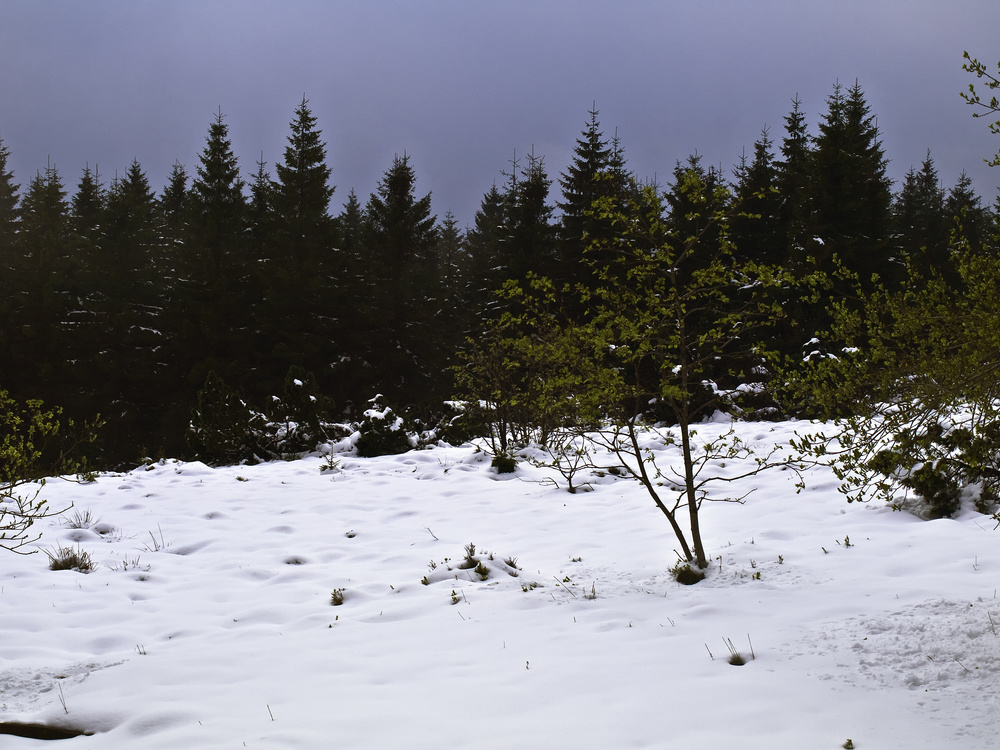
[684,574]
[35,442]
[524,378]
[984,108]
[919,375]
[504,464]
[297,419]
[223,428]
[383,432]
[671,313]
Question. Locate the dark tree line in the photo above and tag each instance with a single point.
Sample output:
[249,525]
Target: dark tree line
[121,301]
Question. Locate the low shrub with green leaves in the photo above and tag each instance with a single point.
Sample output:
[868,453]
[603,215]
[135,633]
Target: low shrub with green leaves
[35,442]
[917,371]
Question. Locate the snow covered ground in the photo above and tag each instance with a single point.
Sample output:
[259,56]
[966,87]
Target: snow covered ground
[208,622]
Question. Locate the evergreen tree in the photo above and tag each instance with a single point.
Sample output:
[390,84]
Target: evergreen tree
[351,227]
[793,181]
[452,310]
[969,221]
[302,192]
[485,239]
[849,190]
[401,239]
[173,213]
[530,237]
[42,267]
[920,225]
[217,266]
[8,209]
[299,288]
[357,282]
[173,208]
[690,211]
[218,205]
[579,226]
[8,260]
[756,227]
[87,209]
[451,258]
[129,369]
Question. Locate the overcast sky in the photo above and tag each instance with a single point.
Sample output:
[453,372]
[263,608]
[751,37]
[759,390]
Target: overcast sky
[459,85]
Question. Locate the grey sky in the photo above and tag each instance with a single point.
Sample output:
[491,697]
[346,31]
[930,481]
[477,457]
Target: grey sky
[460,84]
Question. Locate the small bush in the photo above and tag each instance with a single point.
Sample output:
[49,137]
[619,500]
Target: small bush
[67,558]
[298,419]
[383,432]
[684,574]
[224,428]
[504,464]
[938,489]
[461,423]
[337,597]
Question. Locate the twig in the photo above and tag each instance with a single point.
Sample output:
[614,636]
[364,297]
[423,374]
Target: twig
[752,654]
[431,533]
[269,712]
[62,698]
[564,586]
[709,651]
[992,625]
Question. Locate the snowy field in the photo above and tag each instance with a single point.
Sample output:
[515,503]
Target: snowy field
[208,622]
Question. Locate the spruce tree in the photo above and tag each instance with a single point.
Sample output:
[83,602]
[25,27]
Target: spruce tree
[485,240]
[300,290]
[793,180]
[968,220]
[451,258]
[42,269]
[920,226]
[850,191]
[87,208]
[349,372]
[401,239]
[217,267]
[756,227]
[9,250]
[530,237]
[452,310]
[8,208]
[172,217]
[173,207]
[302,191]
[130,373]
[579,226]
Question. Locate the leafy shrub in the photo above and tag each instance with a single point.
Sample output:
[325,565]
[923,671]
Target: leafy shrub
[938,462]
[383,432]
[34,443]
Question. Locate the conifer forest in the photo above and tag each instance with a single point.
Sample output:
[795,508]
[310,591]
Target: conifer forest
[267,290]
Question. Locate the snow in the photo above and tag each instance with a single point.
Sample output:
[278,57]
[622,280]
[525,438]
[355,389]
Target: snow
[208,622]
